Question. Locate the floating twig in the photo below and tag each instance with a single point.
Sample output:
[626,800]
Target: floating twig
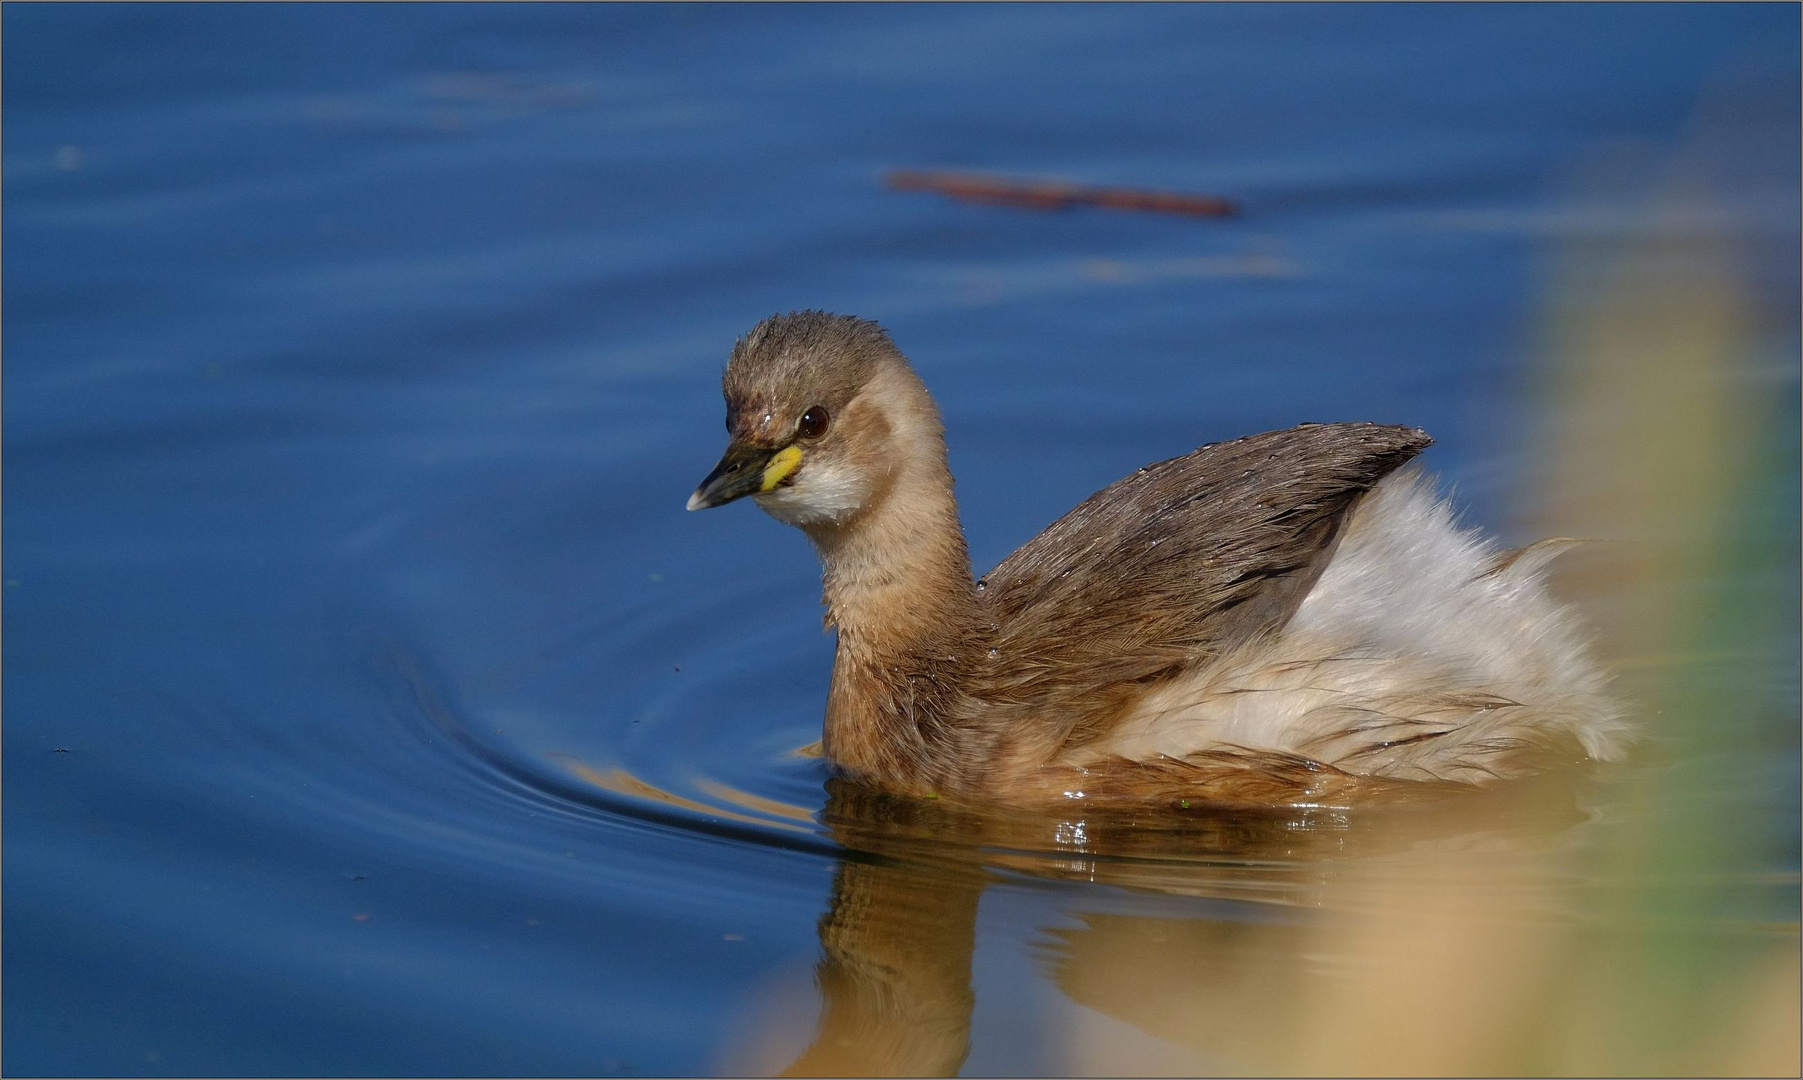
[1052,195]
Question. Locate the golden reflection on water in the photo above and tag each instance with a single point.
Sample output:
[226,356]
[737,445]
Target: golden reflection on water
[764,813]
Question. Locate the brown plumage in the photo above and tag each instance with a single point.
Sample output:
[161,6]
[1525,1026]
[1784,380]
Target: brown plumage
[1259,621]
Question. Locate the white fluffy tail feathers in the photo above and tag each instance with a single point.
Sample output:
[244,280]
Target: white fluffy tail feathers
[1423,652]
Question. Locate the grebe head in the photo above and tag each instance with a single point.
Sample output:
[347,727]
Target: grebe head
[820,409]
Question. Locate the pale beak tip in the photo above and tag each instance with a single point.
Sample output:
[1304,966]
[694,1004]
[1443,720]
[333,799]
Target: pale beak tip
[695,502]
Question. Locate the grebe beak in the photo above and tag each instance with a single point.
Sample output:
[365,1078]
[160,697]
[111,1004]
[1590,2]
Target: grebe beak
[745,470]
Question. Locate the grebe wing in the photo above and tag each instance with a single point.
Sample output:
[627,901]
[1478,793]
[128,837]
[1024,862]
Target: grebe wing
[1178,562]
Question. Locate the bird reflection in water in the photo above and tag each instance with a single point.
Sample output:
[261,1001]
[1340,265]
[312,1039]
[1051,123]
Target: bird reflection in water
[894,974]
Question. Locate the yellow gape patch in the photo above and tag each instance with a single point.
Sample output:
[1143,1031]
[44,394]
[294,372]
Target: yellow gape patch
[780,467]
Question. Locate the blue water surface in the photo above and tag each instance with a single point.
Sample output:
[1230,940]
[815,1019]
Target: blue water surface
[372,705]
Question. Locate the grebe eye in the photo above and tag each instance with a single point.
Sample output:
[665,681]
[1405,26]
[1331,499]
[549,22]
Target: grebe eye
[813,423]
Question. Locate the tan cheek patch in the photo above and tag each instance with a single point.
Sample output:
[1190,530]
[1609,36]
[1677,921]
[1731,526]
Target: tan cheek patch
[871,453]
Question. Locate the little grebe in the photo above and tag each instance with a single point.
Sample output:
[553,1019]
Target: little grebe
[1281,618]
